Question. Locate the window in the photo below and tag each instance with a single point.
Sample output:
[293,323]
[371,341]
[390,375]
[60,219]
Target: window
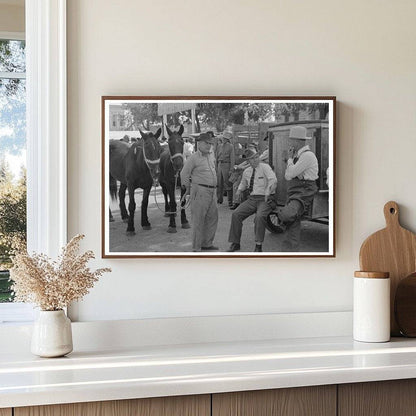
[12,154]
[45,135]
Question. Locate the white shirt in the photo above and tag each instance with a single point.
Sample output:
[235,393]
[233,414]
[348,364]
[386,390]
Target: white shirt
[264,180]
[306,166]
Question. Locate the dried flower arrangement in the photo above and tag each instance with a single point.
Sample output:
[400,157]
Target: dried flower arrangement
[53,285]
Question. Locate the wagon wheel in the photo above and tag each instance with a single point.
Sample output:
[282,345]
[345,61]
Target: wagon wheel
[272,223]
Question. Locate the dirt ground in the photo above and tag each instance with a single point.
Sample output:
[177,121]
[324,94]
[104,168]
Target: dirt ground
[314,236]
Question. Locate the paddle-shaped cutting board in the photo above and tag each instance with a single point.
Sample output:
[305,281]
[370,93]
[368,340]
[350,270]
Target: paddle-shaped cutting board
[393,250]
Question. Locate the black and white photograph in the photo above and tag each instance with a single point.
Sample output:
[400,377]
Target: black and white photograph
[218,176]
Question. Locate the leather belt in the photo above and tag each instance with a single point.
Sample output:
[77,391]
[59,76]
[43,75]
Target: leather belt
[207,186]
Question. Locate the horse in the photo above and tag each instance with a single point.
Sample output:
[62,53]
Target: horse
[171,163]
[134,166]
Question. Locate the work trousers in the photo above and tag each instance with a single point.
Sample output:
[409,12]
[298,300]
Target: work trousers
[204,213]
[223,182]
[235,188]
[300,197]
[290,215]
[253,204]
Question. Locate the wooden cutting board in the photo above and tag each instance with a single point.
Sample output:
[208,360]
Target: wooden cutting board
[393,250]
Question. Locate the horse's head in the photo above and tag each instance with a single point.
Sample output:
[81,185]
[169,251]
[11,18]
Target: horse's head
[151,152]
[175,143]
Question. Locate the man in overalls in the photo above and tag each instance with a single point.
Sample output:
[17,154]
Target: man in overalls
[199,178]
[301,174]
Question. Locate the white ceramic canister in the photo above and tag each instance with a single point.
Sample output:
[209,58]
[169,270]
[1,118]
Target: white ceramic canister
[371,305]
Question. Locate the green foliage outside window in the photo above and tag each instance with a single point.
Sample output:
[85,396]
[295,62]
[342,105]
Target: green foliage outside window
[12,147]
[12,224]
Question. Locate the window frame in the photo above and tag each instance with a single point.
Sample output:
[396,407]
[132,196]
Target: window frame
[46,135]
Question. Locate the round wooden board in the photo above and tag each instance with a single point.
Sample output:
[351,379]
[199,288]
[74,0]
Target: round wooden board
[405,306]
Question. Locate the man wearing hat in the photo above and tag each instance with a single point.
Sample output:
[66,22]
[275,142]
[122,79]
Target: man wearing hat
[301,175]
[199,178]
[259,181]
[225,160]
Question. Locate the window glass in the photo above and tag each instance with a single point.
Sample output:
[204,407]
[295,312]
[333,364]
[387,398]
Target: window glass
[12,56]
[12,156]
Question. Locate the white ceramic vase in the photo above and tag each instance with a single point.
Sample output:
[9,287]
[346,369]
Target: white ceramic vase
[52,334]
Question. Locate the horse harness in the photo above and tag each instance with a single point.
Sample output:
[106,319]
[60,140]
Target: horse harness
[148,161]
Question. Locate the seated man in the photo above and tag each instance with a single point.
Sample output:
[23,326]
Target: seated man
[260,182]
[301,175]
[236,173]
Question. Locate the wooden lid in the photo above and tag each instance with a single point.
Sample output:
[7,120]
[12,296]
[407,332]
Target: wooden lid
[372,275]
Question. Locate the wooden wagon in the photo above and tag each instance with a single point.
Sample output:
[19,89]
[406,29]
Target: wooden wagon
[278,140]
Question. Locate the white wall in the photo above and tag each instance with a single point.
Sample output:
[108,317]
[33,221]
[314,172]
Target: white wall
[12,18]
[363,52]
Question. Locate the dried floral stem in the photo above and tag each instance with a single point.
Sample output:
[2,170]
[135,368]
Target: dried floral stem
[53,285]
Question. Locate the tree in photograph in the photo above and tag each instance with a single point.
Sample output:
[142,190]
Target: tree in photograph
[140,116]
[323,109]
[219,115]
[214,115]
[237,116]
[260,111]
[179,118]
[288,109]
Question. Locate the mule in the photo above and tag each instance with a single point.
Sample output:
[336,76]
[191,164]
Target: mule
[134,166]
[171,164]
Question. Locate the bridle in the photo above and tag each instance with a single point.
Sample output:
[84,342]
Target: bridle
[149,161]
[175,156]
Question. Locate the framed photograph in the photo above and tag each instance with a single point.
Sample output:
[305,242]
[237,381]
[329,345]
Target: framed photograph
[218,176]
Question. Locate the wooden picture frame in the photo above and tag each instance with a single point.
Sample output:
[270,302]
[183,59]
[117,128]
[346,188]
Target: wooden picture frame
[138,133]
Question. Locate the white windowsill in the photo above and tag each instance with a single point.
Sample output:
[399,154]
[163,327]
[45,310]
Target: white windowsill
[16,313]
